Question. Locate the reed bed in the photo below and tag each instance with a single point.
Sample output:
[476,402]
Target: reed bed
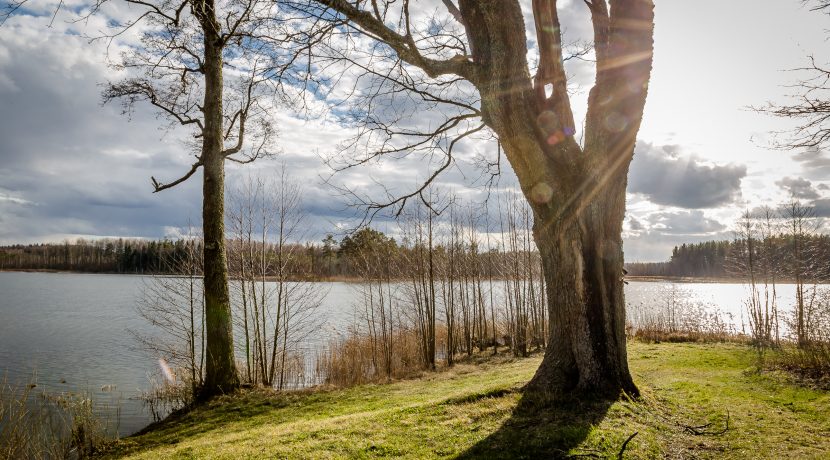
[36,424]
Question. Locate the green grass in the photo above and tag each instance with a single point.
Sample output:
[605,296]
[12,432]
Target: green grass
[476,411]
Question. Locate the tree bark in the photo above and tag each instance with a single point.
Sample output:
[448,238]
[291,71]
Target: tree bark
[576,192]
[583,274]
[220,368]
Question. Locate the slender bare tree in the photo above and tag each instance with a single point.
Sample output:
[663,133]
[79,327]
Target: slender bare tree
[421,289]
[198,64]
[801,227]
[173,306]
[276,313]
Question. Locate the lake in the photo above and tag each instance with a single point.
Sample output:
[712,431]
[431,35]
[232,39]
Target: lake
[71,332]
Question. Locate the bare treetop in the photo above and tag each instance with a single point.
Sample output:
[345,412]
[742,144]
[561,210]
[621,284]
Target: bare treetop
[810,106]
[167,68]
[410,77]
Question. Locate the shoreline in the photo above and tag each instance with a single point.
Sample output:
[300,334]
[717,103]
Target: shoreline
[328,279]
[349,279]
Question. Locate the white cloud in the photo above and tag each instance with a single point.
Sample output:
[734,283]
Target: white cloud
[71,167]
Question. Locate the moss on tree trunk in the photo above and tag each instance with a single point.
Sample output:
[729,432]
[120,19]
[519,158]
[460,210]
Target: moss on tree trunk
[220,368]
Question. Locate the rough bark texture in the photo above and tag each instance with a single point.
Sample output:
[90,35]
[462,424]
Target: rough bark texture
[220,367]
[577,192]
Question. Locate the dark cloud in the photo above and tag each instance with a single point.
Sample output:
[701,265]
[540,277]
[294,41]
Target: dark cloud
[692,222]
[818,208]
[667,177]
[814,163]
[798,188]
[69,166]
[634,224]
[821,207]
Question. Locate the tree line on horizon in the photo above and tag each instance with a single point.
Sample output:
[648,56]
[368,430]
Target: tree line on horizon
[723,259]
[325,260]
[713,259]
[107,255]
[332,259]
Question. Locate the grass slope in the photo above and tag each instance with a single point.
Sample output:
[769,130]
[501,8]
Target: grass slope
[477,411]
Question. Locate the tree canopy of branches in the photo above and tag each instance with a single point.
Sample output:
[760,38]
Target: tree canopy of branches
[199,65]
[810,106]
[467,69]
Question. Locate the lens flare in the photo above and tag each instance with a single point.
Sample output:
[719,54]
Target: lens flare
[166,371]
[556,138]
[541,193]
[615,122]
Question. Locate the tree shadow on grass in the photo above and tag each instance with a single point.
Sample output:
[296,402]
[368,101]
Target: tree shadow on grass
[542,428]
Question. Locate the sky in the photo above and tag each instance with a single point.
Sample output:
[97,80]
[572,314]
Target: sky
[71,167]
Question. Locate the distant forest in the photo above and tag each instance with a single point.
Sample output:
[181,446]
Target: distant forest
[724,259]
[332,259]
[325,260]
[95,256]
[135,256]
[707,259]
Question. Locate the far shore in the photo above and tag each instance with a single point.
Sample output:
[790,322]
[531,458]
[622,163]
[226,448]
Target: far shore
[331,279]
[715,280]
[352,279]
[685,279]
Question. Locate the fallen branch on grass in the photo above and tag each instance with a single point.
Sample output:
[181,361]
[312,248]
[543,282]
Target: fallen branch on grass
[625,444]
[702,430]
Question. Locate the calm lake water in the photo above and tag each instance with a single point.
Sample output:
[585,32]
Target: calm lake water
[71,332]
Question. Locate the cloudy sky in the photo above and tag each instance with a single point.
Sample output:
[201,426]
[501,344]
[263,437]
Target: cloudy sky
[71,167]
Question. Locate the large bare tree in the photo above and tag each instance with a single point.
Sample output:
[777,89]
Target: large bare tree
[198,65]
[466,69]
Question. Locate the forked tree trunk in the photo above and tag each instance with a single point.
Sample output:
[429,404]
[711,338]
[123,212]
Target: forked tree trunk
[220,367]
[577,192]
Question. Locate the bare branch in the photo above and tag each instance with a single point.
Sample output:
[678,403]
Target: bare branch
[811,105]
[135,90]
[399,203]
[158,186]
[9,9]
[454,11]
[403,46]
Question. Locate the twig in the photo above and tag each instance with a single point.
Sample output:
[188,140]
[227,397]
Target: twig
[625,444]
[700,430]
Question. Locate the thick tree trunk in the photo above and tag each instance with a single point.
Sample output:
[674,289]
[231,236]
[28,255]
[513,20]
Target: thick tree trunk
[577,192]
[220,370]
[583,274]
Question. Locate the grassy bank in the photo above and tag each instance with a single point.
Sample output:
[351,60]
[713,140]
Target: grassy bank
[699,401]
